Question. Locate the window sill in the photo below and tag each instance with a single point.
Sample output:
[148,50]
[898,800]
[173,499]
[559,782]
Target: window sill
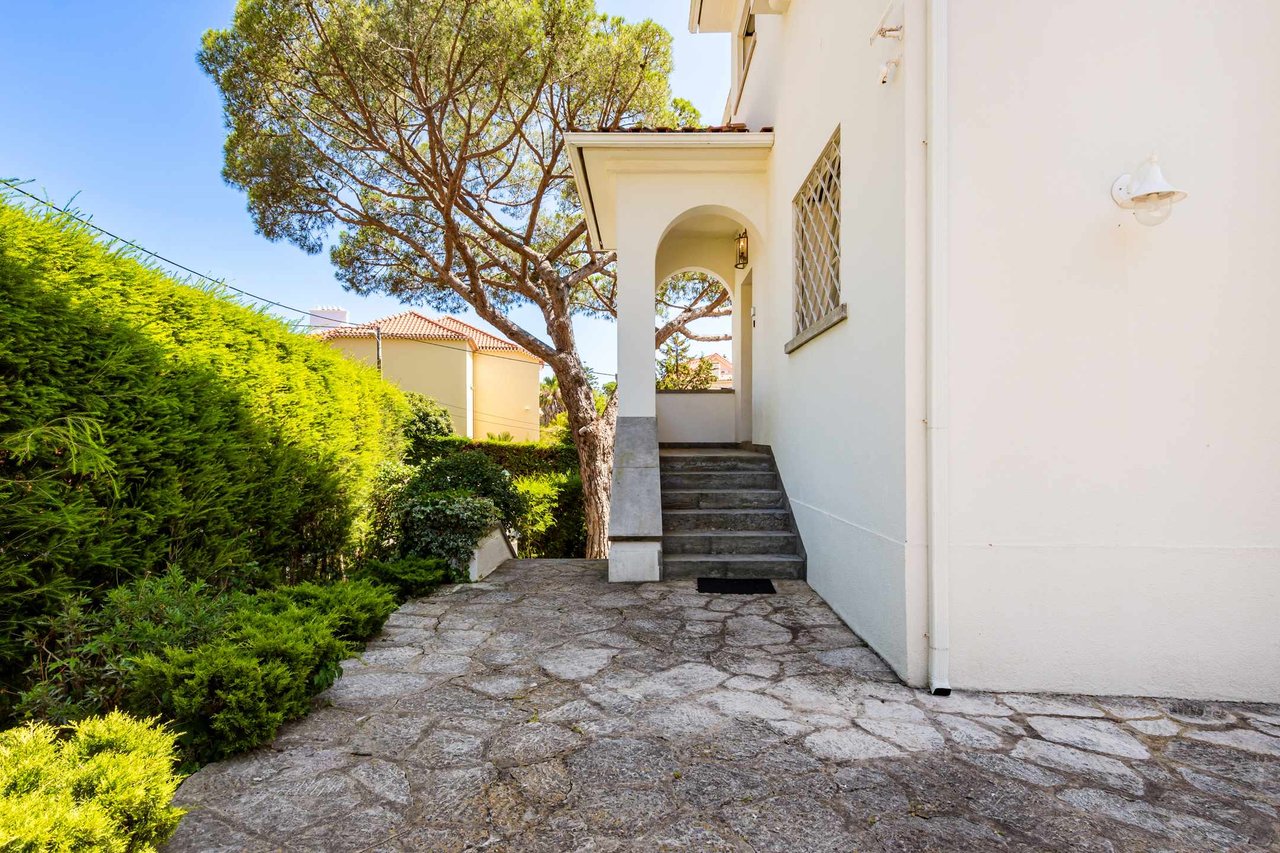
[833,318]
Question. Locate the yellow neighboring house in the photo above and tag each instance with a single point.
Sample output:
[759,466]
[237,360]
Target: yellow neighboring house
[488,384]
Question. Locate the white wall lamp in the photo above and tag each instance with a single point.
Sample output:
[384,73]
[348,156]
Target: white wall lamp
[1147,193]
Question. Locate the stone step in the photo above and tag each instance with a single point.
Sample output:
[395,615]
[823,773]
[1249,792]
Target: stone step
[719,480]
[729,542]
[710,460]
[725,519]
[721,498]
[732,566]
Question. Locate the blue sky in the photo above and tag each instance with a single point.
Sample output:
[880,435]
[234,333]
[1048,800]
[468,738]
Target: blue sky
[104,102]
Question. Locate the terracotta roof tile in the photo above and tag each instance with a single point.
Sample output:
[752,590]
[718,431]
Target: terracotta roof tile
[412,325]
[734,127]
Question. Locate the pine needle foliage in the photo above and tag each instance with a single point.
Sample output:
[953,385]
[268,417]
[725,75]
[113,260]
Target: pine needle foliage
[147,423]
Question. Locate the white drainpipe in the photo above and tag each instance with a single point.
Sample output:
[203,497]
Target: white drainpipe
[937,247]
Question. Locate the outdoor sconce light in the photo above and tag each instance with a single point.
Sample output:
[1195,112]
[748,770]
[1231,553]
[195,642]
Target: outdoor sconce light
[1147,193]
[741,263]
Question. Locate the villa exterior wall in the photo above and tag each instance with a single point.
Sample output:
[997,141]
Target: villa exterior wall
[837,412]
[443,373]
[506,395]
[1115,447]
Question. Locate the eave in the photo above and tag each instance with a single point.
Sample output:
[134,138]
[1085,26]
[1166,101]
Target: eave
[594,155]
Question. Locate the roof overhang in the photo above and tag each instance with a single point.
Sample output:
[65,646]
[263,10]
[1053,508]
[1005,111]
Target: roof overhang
[597,159]
[726,16]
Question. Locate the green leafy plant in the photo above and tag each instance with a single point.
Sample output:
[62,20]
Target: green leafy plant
[357,608]
[471,472]
[108,785]
[146,423]
[82,652]
[518,457]
[427,419]
[553,523]
[410,577]
[448,525]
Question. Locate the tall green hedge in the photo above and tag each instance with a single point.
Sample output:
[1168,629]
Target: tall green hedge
[146,423]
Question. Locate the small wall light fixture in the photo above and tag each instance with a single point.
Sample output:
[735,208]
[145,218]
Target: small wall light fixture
[1147,193]
[741,262]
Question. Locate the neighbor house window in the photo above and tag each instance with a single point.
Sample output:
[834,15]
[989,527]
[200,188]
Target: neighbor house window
[816,220]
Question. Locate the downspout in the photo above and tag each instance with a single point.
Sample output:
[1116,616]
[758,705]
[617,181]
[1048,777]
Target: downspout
[936,356]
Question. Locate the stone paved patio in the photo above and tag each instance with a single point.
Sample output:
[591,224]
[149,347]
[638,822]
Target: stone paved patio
[547,710]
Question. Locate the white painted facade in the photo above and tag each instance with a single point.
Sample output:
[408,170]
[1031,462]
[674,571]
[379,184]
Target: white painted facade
[1044,436]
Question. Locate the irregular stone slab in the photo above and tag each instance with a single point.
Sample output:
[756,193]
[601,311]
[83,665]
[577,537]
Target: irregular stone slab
[753,631]
[1096,735]
[1050,705]
[747,682]
[1014,769]
[1197,713]
[680,681]
[966,732]
[1246,739]
[848,745]
[616,762]
[1130,709]
[373,687]
[576,664]
[1194,832]
[878,709]
[1002,724]
[853,659]
[808,696]
[1223,788]
[384,780]
[532,743]
[909,736]
[447,748]
[546,782]
[1099,768]
[969,704]
[686,718]
[442,664]
[501,686]
[789,824]
[690,833]
[735,703]
[1156,728]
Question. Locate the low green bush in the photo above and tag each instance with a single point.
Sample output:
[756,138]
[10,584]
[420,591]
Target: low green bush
[554,521]
[82,652]
[410,577]
[518,457]
[473,472]
[448,525]
[221,698]
[357,608]
[108,786]
[427,419]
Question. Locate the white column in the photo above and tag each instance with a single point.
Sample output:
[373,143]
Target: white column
[636,286]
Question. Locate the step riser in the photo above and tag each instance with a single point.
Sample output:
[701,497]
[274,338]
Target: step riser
[725,520]
[711,463]
[721,500]
[710,543]
[720,480]
[711,568]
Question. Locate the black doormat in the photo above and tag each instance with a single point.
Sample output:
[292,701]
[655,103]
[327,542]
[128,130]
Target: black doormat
[736,586]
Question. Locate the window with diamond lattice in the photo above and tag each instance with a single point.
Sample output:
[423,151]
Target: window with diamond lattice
[816,217]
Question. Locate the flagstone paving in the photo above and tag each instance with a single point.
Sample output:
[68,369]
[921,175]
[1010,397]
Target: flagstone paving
[545,709]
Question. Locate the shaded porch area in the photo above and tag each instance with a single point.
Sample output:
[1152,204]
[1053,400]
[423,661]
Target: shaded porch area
[545,709]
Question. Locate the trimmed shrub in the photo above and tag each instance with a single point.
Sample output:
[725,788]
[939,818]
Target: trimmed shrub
[221,698]
[448,525]
[147,423]
[520,458]
[82,653]
[357,608]
[410,577]
[471,472]
[427,419]
[304,641]
[108,786]
[554,522]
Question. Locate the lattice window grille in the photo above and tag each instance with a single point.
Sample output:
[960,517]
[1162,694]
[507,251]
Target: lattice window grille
[816,219]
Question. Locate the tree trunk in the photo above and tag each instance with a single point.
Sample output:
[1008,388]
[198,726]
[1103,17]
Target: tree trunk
[593,436]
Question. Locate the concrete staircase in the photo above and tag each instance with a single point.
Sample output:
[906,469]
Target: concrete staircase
[724,515]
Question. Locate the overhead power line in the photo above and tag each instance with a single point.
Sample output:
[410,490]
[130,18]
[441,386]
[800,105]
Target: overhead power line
[9,184]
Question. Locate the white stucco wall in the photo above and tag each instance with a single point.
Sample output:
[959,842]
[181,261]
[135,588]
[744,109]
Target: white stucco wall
[836,411]
[692,417]
[1115,440]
